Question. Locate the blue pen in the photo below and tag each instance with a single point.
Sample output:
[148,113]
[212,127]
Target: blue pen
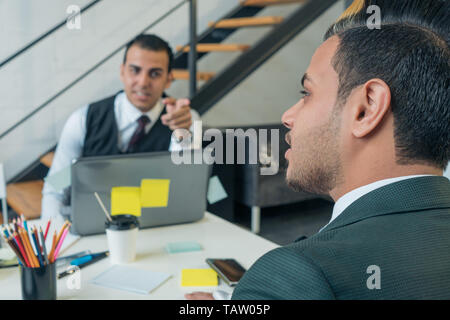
[82,260]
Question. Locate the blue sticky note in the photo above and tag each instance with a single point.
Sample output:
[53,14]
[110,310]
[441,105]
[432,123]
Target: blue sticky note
[216,191]
[187,246]
[60,180]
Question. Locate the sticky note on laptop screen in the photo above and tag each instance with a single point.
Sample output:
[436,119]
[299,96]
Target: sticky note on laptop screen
[126,200]
[155,192]
[199,278]
[216,191]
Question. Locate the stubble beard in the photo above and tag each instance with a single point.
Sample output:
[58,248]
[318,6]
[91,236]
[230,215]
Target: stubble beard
[316,167]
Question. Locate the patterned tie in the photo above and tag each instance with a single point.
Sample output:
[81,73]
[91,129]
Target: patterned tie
[138,134]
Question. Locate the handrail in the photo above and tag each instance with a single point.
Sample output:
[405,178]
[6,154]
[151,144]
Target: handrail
[32,43]
[193,49]
[69,86]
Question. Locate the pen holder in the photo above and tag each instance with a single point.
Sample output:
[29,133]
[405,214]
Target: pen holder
[38,283]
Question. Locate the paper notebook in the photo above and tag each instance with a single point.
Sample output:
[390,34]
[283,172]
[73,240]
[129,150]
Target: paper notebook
[130,279]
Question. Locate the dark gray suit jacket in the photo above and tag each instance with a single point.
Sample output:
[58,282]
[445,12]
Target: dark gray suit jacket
[396,238]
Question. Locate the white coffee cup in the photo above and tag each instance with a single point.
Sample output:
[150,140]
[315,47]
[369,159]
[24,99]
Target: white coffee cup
[121,234]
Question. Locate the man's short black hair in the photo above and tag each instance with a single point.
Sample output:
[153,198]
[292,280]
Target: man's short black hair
[151,42]
[413,58]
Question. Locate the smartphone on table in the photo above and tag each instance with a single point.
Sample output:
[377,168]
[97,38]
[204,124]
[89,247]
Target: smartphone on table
[229,270]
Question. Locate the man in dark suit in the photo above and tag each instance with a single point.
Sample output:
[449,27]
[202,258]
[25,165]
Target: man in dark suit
[373,131]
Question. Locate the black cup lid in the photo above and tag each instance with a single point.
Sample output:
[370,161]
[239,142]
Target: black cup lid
[122,222]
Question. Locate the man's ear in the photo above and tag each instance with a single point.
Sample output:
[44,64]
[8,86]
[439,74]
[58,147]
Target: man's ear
[170,78]
[373,101]
[122,71]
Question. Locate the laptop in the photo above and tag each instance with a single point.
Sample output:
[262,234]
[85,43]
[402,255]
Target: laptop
[187,191]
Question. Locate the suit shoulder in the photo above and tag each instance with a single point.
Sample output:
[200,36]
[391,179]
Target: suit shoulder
[283,273]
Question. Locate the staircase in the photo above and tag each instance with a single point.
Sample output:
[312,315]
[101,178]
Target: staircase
[24,192]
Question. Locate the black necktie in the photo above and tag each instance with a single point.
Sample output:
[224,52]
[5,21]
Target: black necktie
[138,134]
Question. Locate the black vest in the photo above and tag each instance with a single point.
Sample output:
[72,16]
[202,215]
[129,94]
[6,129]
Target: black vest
[102,133]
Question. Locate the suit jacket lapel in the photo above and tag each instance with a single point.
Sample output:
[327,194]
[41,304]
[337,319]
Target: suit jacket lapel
[415,194]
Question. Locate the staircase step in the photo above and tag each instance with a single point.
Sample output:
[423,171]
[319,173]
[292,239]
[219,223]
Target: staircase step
[47,159]
[247,22]
[208,47]
[181,74]
[25,198]
[263,3]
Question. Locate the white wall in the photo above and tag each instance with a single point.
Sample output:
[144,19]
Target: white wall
[22,21]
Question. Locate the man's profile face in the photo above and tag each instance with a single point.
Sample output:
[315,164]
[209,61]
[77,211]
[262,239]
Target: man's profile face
[313,158]
[145,76]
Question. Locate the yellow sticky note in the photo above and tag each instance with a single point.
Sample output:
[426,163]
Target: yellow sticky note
[154,192]
[126,200]
[199,278]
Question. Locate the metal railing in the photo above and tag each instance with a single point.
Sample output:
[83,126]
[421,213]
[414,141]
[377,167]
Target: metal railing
[192,61]
[43,36]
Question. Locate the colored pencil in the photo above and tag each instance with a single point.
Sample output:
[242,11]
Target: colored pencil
[10,229]
[50,255]
[25,247]
[46,229]
[39,257]
[60,243]
[22,249]
[14,246]
[30,248]
[16,251]
[58,238]
[30,238]
[37,239]
[31,255]
[44,249]
[61,232]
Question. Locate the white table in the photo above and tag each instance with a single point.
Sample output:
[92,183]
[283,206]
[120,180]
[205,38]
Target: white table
[219,239]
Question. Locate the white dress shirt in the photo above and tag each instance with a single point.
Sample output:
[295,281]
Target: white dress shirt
[71,143]
[347,199]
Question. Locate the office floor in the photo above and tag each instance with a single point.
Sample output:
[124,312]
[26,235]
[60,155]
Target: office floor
[284,224]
